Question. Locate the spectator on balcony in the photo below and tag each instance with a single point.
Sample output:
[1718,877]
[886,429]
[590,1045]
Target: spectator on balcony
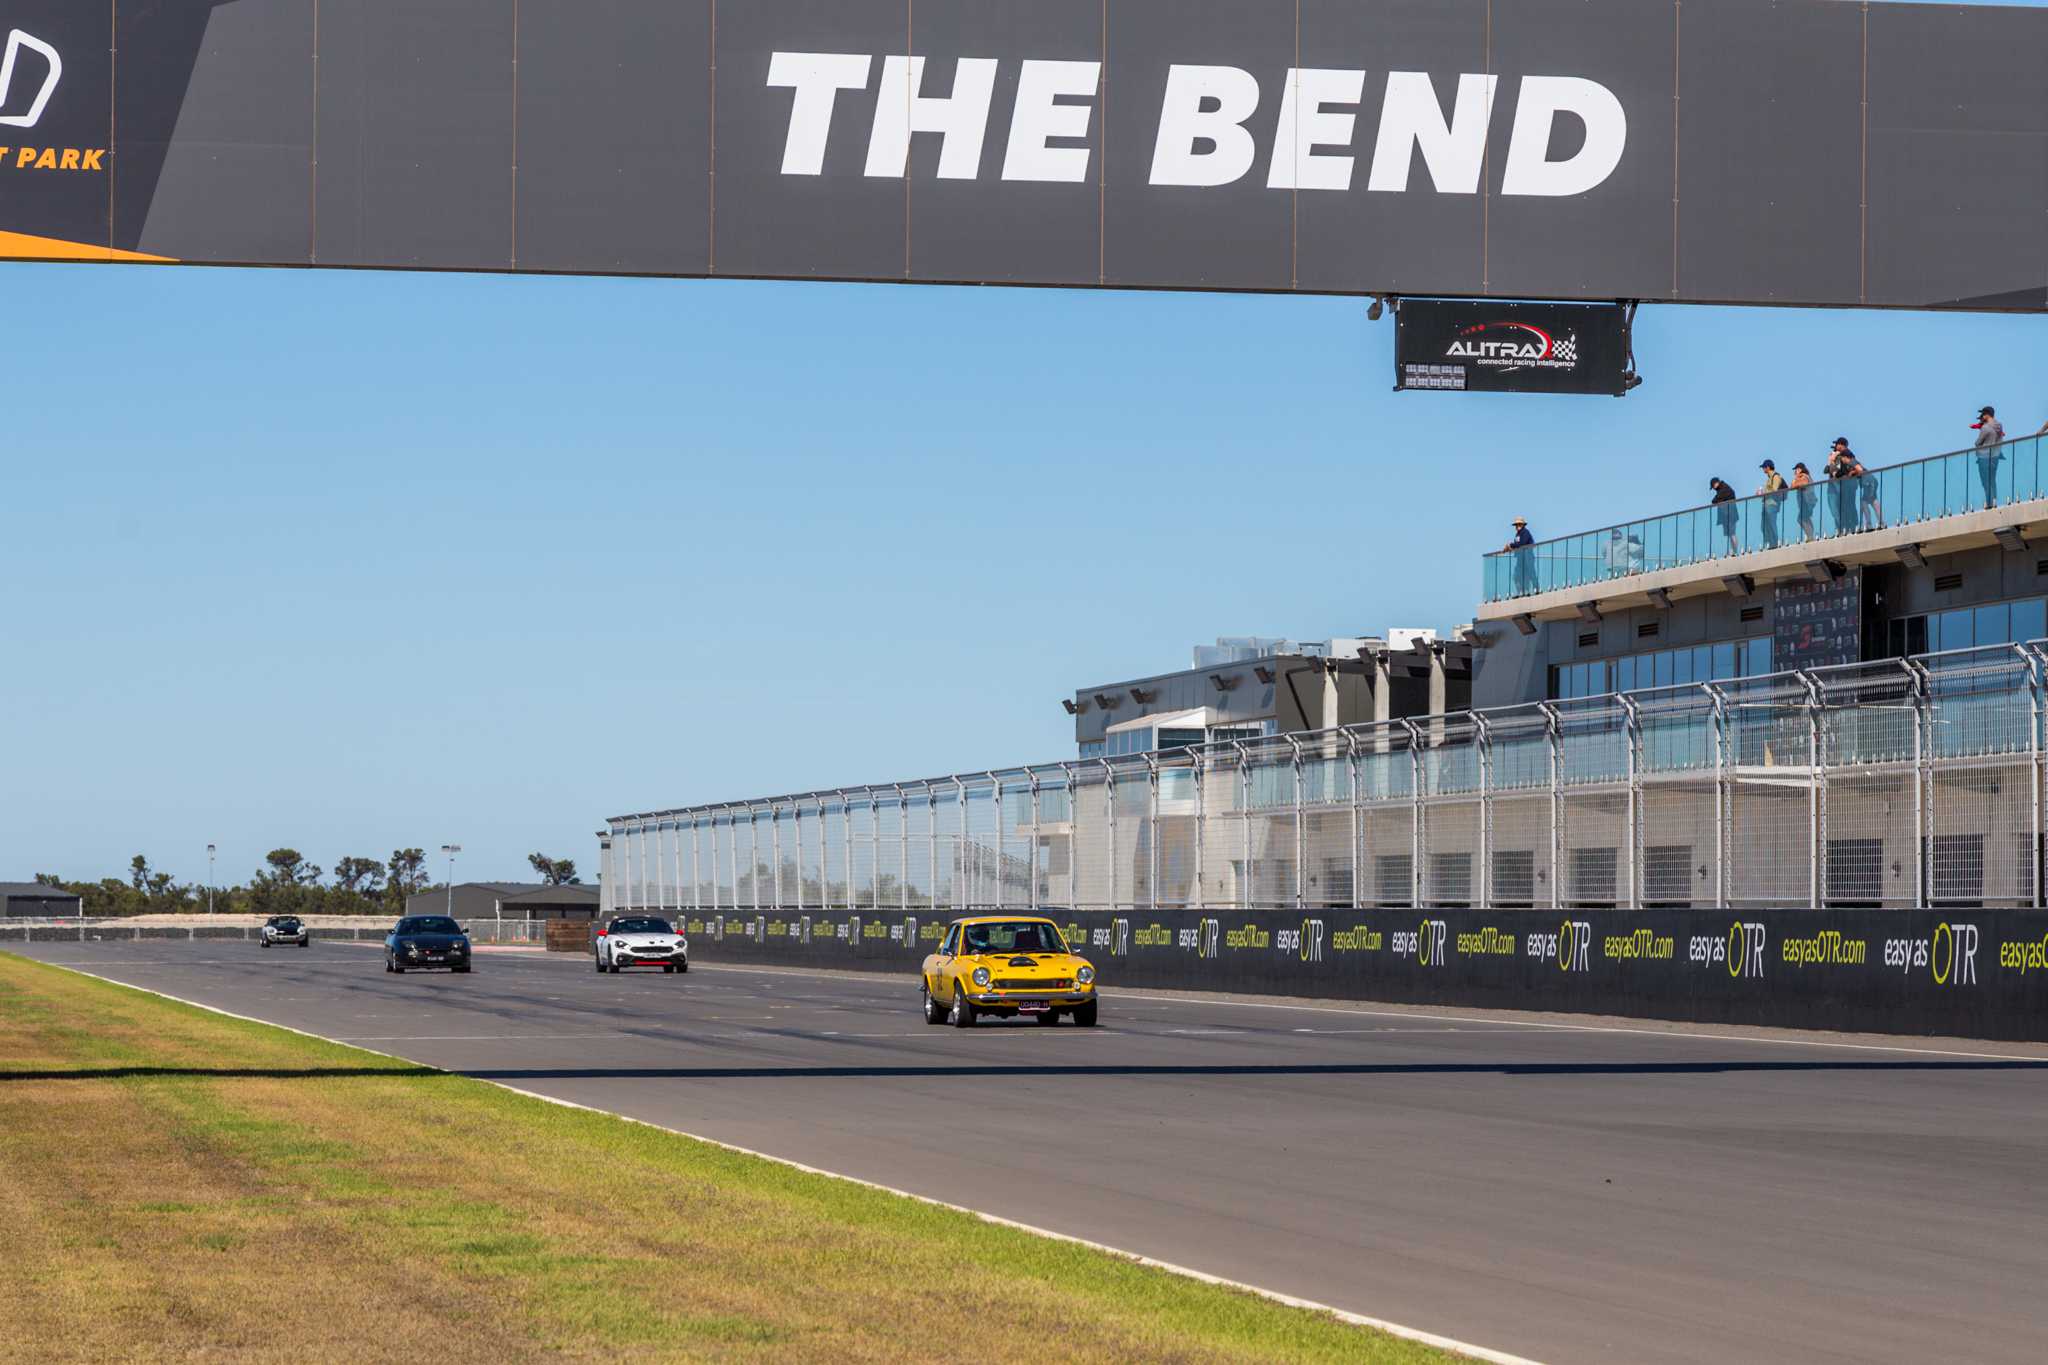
[1773,505]
[1802,489]
[1843,469]
[1725,511]
[1990,450]
[1521,545]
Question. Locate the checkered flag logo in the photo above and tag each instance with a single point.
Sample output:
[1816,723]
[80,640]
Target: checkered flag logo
[1566,350]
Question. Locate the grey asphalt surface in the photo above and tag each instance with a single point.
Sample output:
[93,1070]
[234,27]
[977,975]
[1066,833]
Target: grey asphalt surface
[1564,1194]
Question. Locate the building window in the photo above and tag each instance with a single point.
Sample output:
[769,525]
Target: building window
[1662,668]
[2000,623]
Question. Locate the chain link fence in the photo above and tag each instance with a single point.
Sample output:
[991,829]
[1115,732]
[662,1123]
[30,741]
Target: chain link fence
[1900,783]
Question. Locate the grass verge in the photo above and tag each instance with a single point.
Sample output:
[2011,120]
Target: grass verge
[321,1202]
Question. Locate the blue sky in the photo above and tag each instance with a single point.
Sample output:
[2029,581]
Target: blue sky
[348,560]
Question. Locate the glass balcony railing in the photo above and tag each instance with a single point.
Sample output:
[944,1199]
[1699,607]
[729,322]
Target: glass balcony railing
[1896,495]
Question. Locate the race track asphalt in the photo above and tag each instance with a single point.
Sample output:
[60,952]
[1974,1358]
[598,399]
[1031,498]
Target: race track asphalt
[1568,1194]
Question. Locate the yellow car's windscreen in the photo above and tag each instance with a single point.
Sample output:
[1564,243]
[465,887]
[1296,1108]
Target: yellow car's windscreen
[1013,936]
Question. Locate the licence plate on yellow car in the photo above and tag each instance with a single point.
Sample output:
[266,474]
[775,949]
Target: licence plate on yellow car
[1033,1008]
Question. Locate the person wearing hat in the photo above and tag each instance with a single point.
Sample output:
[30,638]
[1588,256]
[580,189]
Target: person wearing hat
[1725,511]
[1773,494]
[1990,450]
[1521,544]
[1843,469]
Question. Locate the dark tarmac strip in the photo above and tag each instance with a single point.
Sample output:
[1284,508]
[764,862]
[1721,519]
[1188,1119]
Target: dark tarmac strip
[1565,1194]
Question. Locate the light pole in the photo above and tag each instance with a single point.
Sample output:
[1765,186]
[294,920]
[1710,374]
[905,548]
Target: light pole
[209,879]
[451,850]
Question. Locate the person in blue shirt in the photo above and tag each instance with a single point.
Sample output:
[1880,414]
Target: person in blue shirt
[1521,545]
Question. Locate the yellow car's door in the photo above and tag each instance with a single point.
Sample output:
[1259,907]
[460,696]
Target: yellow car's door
[941,984]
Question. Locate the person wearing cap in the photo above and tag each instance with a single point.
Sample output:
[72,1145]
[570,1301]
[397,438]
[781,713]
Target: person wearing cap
[1843,468]
[1773,495]
[1990,450]
[1725,511]
[1521,545]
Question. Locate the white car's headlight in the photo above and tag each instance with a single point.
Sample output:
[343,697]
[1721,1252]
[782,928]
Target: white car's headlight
[1085,976]
[981,977]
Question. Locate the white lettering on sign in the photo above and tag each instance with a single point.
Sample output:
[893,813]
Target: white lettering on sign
[960,119]
[1203,138]
[1038,119]
[1411,120]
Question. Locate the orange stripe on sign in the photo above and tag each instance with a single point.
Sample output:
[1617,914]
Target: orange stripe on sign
[20,246]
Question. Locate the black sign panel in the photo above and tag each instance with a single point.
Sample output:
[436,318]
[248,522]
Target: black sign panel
[1818,625]
[1965,972]
[1461,345]
[1831,154]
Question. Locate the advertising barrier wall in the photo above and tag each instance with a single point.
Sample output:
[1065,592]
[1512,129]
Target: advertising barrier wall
[1961,973]
[1827,153]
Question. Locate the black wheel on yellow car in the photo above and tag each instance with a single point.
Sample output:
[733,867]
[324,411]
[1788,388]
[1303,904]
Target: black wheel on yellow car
[932,1013]
[1084,1015]
[963,1008]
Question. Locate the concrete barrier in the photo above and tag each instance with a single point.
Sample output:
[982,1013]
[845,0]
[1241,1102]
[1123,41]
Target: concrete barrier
[1960,973]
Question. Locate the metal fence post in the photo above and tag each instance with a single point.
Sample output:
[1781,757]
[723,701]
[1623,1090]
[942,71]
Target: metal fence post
[1417,844]
[1198,762]
[2034,708]
[1244,822]
[1553,745]
[1632,814]
[696,861]
[1357,851]
[1152,830]
[1816,794]
[1482,884]
[1721,800]
[902,846]
[1037,821]
[1300,825]
[1923,782]
[1073,843]
[931,840]
[1109,807]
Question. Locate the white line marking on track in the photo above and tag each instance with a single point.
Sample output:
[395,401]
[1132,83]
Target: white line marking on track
[1342,1315]
[469,1037]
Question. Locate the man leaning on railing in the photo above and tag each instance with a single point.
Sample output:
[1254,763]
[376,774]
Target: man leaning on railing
[1520,545]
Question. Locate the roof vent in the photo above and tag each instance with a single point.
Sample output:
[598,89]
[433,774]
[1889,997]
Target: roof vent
[1752,613]
[1590,637]
[1948,582]
[1646,630]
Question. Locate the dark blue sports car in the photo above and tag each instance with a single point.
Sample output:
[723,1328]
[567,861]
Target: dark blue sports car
[422,941]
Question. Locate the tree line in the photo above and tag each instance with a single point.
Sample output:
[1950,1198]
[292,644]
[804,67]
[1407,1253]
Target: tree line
[286,884]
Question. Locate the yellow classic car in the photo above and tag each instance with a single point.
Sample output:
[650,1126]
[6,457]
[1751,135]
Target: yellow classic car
[1006,965]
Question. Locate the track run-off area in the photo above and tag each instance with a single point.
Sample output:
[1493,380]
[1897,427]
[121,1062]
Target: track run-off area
[1561,1190]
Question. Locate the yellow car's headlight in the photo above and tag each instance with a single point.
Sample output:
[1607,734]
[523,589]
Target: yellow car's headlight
[981,977]
[1086,976]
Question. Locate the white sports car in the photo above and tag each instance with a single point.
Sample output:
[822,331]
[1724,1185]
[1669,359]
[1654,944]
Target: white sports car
[640,941]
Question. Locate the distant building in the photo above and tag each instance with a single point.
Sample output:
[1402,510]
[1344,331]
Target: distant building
[35,899]
[1247,687]
[508,900]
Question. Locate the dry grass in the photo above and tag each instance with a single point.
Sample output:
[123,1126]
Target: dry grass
[330,1204]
